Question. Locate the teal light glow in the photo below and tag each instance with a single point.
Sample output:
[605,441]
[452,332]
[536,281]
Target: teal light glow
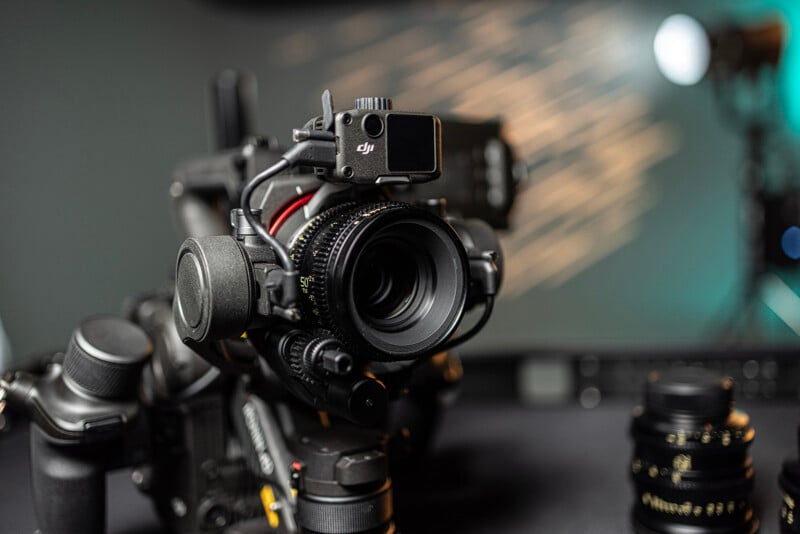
[782,300]
[789,75]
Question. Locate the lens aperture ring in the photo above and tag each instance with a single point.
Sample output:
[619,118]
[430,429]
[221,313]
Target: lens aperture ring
[312,277]
[735,432]
[681,478]
[711,459]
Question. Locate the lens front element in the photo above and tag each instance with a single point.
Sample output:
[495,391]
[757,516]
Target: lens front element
[392,284]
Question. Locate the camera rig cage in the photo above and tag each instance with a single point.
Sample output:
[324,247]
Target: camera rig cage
[295,363]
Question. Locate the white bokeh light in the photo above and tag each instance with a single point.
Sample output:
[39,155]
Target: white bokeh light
[682,49]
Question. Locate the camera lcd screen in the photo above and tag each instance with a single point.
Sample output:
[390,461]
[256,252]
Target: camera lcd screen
[411,143]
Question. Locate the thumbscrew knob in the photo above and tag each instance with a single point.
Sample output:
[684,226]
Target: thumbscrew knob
[105,357]
[374,103]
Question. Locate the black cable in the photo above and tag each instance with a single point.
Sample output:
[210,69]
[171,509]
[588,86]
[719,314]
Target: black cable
[280,251]
[487,312]
[199,384]
[315,151]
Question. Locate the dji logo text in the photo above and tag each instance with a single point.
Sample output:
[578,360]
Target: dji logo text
[365,148]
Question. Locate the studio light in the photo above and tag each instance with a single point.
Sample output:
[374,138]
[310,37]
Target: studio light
[682,50]
[686,51]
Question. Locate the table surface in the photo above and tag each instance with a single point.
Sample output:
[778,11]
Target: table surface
[495,467]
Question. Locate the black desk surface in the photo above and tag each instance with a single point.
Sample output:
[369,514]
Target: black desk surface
[497,467]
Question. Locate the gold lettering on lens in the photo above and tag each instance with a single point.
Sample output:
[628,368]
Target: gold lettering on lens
[736,428]
[636,466]
[687,508]
[681,463]
[787,510]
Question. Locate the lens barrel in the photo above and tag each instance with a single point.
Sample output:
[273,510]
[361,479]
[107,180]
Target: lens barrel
[691,468]
[387,278]
[789,483]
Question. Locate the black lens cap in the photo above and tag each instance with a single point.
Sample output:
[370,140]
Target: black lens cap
[689,392]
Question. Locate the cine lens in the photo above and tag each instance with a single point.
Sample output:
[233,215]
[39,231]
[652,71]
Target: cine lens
[388,279]
[691,468]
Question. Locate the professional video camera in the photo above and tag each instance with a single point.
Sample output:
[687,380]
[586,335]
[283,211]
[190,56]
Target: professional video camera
[324,323]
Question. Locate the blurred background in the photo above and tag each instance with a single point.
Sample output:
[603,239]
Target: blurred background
[633,230]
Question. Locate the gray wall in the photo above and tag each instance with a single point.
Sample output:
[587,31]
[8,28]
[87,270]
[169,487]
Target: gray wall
[100,100]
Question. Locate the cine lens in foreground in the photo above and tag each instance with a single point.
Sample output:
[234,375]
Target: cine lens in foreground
[691,468]
[387,278]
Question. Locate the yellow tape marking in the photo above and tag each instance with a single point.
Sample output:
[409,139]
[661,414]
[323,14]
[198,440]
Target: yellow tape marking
[267,500]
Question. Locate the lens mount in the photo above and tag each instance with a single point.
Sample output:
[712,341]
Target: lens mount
[390,280]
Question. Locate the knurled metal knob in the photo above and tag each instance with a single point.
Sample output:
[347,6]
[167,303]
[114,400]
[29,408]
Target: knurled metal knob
[374,103]
[105,357]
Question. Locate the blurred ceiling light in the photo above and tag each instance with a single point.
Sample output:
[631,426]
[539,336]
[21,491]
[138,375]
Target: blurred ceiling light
[685,51]
[682,50]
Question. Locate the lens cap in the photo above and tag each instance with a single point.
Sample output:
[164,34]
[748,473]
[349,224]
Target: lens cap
[690,392]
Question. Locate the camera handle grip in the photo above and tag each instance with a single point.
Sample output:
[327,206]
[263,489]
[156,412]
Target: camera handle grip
[69,486]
